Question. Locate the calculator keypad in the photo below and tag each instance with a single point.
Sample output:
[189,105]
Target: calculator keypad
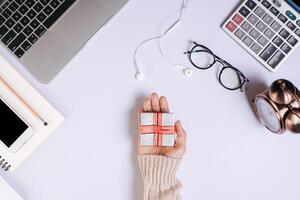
[267,32]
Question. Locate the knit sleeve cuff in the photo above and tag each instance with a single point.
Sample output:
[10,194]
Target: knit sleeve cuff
[158,170]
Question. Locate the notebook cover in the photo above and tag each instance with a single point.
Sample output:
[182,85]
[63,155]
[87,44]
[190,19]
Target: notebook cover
[37,102]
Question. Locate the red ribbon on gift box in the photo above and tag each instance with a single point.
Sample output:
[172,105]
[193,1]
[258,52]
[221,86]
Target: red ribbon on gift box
[157,129]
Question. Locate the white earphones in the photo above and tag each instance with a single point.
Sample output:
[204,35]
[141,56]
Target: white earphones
[186,71]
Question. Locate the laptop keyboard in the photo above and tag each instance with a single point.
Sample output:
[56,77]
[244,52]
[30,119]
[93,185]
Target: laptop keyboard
[269,34]
[23,22]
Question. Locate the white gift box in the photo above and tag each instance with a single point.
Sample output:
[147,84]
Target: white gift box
[157,129]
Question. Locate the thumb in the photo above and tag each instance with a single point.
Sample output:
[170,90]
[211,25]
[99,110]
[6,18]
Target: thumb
[181,135]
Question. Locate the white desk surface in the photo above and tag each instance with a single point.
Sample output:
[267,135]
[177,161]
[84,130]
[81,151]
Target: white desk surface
[92,155]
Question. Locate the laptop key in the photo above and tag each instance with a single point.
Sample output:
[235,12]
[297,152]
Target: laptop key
[7,13]
[18,28]
[34,24]
[2,20]
[3,31]
[28,30]
[20,1]
[38,7]
[23,9]
[19,52]
[286,48]
[40,31]
[13,6]
[276,59]
[17,16]
[45,2]
[31,14]
[58,13]
[17,42]
[9,37]
[41,17]
[54,3]
[24,21]
[10,23]
[32,38]
[30,3]
[48,10]
[268,52]
[26,45]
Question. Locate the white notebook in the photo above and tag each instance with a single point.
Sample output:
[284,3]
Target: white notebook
[7,192]
[9,160]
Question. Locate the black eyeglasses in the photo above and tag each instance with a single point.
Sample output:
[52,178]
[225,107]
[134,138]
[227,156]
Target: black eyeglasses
[229,77]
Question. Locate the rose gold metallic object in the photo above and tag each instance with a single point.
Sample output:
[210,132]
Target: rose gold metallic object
[284,99]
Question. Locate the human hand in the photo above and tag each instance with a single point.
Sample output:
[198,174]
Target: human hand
[156,104]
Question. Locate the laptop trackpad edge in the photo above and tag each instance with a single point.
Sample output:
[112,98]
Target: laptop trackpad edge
[75,28]
[42,66]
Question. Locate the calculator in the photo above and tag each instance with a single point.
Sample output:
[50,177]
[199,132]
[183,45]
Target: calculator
[268,29]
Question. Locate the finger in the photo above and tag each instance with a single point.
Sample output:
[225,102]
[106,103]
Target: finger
[181,135]
[164,104]
[155,102]
[147,105]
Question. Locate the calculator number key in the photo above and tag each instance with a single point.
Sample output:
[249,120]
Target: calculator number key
[292,41]
[286,48]
[268,52]
[251,4]
[244,11]
[276,59]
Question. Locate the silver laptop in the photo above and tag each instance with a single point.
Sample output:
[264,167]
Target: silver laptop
[44,35]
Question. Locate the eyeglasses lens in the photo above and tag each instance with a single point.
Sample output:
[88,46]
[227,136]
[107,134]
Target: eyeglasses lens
[230,78]
[202,58]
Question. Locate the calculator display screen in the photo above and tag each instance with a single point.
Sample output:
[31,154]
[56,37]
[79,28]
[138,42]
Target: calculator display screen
[11,126]
[295,4]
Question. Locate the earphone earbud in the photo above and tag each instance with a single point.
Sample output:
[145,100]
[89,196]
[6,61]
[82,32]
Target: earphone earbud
[188,72]
[140,76]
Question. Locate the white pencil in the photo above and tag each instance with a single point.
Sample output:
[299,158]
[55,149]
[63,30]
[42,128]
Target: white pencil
[22,101]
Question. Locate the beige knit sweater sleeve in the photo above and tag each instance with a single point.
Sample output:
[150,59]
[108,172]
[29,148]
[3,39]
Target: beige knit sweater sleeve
[159,174]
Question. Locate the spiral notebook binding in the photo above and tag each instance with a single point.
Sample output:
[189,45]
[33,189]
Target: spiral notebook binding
[3,164]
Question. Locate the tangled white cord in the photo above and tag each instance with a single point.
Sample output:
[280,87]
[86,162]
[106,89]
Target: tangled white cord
[139,74]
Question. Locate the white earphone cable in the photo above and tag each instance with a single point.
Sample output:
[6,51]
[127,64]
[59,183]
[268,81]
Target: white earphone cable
[140,74]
